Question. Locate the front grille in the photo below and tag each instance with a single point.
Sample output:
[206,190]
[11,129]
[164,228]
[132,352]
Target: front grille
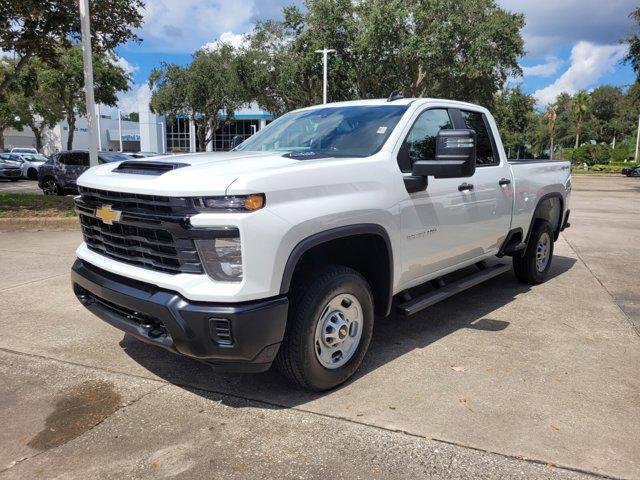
[152,231]
[12,172]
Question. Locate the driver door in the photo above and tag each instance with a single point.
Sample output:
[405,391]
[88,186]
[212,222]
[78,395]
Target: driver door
[437,225]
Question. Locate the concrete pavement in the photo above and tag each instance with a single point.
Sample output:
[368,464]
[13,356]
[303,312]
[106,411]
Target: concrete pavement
[466,389]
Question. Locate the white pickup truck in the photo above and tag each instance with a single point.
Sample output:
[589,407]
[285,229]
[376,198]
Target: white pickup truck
[286,248]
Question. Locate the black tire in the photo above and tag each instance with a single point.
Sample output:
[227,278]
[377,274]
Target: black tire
[51,187]
[526,266]
[297,358]
[32,174]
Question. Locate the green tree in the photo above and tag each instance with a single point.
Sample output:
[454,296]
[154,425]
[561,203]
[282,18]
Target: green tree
[580,108]
[208,91]
[462,50]
[12,102]
[39,28]
[65,83]
[633,39]
[514,112]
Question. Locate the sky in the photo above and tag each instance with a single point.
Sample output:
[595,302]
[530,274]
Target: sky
[570,44]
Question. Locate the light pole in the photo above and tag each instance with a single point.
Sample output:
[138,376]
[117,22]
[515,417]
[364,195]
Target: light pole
[324,52]
[164,137]
[637,140]
[99,127]
[88,80]
[120,128]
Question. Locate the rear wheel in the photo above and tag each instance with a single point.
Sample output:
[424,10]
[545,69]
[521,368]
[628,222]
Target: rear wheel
[329,328]
[51,187]
[533,266]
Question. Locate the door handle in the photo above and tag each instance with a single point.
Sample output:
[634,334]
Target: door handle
[465,186]
[504,181]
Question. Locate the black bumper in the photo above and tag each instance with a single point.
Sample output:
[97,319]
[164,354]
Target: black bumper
[239,337]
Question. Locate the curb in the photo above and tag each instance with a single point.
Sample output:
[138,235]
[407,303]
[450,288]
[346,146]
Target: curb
[39,223]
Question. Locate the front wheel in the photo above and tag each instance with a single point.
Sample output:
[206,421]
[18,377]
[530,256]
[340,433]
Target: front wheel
[533,265]
[329,328]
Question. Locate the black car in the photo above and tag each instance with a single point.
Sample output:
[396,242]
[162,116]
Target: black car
[58,176]
[632,171]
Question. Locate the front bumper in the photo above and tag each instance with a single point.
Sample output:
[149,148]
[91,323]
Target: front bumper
[239,337]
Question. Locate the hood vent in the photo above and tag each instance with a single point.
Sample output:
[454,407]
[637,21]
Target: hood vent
[146,167]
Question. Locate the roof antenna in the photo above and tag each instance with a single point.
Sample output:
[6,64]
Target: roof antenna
[395,95]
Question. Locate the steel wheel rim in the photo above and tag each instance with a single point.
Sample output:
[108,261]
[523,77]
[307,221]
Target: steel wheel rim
[50,187]
[543,252]
[338,331]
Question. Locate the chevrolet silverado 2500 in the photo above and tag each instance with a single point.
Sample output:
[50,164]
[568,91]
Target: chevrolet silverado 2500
[286,248]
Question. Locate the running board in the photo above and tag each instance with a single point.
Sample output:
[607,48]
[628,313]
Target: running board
[420,303]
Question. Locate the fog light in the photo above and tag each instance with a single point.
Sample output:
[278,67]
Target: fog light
[222,256]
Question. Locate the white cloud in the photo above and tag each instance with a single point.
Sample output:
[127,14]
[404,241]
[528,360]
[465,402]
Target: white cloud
[547,69]
[550,24]
[236,40]
[588,63]
[125,65]
[138,95]
[183,26]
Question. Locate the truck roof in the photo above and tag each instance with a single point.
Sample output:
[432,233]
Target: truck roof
[384,101]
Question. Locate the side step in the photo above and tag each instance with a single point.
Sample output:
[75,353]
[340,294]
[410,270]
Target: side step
[420,303]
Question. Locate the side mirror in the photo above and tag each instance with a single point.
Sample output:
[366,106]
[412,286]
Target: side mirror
[455,156]
[237,140]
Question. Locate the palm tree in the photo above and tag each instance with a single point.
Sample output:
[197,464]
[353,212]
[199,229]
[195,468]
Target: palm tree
[551,122]
[580,106]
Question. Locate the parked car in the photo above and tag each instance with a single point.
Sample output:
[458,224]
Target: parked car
[632,171]
[58,175]
[10,167]
[31,164]
[24,150]
[285,249]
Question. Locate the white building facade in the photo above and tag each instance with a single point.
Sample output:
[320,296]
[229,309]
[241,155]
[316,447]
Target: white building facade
[153,133]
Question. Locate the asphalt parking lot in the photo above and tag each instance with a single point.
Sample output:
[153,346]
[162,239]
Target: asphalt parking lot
[21,186]
[503,381]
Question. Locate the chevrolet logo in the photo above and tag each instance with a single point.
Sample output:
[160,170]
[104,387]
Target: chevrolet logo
[108,215]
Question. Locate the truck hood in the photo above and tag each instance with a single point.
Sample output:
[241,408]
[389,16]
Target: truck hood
[196,174]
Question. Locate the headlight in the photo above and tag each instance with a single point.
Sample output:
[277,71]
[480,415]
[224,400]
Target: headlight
[222,255]
[231,203]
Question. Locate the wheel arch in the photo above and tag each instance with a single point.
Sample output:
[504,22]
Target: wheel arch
[328,245]
[550,207]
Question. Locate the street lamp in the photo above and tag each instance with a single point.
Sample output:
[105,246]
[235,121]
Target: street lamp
[88,80]
[324,52]
[120,128]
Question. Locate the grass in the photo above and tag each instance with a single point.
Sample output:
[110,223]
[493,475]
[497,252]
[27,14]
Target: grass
[20,205]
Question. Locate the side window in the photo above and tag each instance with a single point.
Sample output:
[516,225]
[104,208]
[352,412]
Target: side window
[82,159]
[475,121]
[421,140]
[65,159]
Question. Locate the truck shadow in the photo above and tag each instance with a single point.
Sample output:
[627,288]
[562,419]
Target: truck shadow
[393,337]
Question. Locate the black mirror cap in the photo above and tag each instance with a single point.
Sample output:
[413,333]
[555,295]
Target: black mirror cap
[237,140]
[455,156]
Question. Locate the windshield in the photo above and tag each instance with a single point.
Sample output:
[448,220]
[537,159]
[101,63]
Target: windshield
[34,158]
[330,131]
[107,157]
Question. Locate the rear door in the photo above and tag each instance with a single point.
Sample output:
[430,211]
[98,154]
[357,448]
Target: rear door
[490,202]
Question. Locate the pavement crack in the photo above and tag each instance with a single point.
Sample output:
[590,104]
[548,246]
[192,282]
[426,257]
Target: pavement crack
[635,328]
[6,289]
[126,405]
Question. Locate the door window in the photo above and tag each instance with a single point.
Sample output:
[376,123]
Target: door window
[65,159]
[421,140]
[476,121]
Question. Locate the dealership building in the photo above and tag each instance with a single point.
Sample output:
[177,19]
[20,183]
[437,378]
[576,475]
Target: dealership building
[153,133]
